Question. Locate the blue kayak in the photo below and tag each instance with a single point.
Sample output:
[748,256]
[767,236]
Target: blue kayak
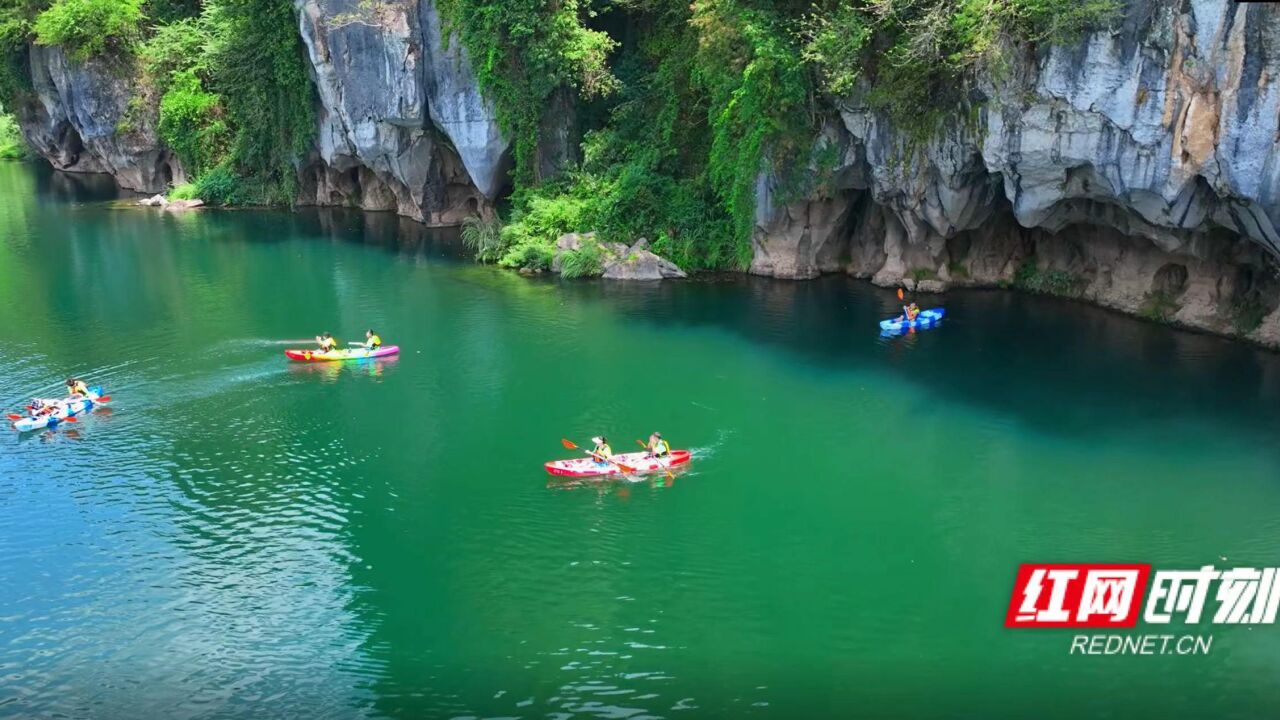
[926,319]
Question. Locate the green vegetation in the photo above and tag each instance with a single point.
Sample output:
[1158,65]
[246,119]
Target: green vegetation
[483,237]
[1048,282]
[1247,314]
[583,262]
[185,191]
[1159,306]
[12,145]
[90,27]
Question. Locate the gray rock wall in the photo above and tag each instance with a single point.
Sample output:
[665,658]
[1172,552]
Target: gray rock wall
[79,118]
[403,125]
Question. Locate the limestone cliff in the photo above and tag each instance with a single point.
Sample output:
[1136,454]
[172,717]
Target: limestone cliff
[1137,169]
[79,118]
[403,125]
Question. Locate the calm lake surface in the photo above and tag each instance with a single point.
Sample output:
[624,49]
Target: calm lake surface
[243,537]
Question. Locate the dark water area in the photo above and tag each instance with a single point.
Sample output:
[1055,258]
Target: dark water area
[240,536]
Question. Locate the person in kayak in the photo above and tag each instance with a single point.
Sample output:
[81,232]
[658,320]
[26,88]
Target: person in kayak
[657,447]
[602,451]
[76,388]
[327,342]
[371,340]
[39,407]
[909,312]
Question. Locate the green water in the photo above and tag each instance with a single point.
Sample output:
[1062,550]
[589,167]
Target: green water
[242,537]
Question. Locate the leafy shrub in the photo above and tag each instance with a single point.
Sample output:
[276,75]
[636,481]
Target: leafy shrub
[89,27]
[220,186]
[538,221]
[583,262]
[185,191]
[1247,314]
[1047,282]
[177,47]
[191,123]
[1159,306]
[12,145]
[483,237]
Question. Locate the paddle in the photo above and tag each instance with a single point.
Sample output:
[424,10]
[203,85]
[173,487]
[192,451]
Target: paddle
[104,398]
[11,416]
[666,469]
[570,445]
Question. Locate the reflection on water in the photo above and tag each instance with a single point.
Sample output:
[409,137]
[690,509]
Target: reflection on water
[332,371]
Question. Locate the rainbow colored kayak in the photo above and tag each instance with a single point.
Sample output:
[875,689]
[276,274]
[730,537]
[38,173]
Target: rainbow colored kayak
[926,319]
[340,355]
[638,461]
[65,409]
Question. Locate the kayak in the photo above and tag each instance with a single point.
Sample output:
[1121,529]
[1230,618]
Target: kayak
[340,355]
[926,319]
[65,409]
[638,461]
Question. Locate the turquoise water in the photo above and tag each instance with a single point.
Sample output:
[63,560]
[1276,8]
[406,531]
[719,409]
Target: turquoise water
[239,536]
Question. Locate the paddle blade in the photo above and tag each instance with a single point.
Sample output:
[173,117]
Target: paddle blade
[568,444]
[70,419]
[641,444]
[900,295]
[104,398]
[11,416]
[625,469]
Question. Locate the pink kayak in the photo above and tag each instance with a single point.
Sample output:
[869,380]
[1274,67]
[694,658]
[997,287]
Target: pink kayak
[638,461]
[340,355]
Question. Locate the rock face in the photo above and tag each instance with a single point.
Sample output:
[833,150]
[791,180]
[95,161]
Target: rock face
[403,125]
[617,261]
[80,120]
[1128,160]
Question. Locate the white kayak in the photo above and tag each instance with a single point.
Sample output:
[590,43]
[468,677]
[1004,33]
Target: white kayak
[63,409]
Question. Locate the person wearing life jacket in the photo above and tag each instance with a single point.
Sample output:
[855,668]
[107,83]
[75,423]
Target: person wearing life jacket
[602,451]
[912,311]
[658,447]
[371,340]
[76,388]
[327,342]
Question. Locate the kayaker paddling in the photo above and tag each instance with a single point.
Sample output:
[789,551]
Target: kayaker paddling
[657,447]
[371,340]
[326,342]
[76,388]
[602,452]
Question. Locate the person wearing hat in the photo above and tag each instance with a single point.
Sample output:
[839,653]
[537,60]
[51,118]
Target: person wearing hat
[658,447]
[602,451]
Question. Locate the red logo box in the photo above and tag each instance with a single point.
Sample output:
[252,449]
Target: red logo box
[1077,596]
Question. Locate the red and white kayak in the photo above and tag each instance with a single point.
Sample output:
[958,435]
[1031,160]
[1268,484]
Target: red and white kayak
[340,355]
[638,461]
